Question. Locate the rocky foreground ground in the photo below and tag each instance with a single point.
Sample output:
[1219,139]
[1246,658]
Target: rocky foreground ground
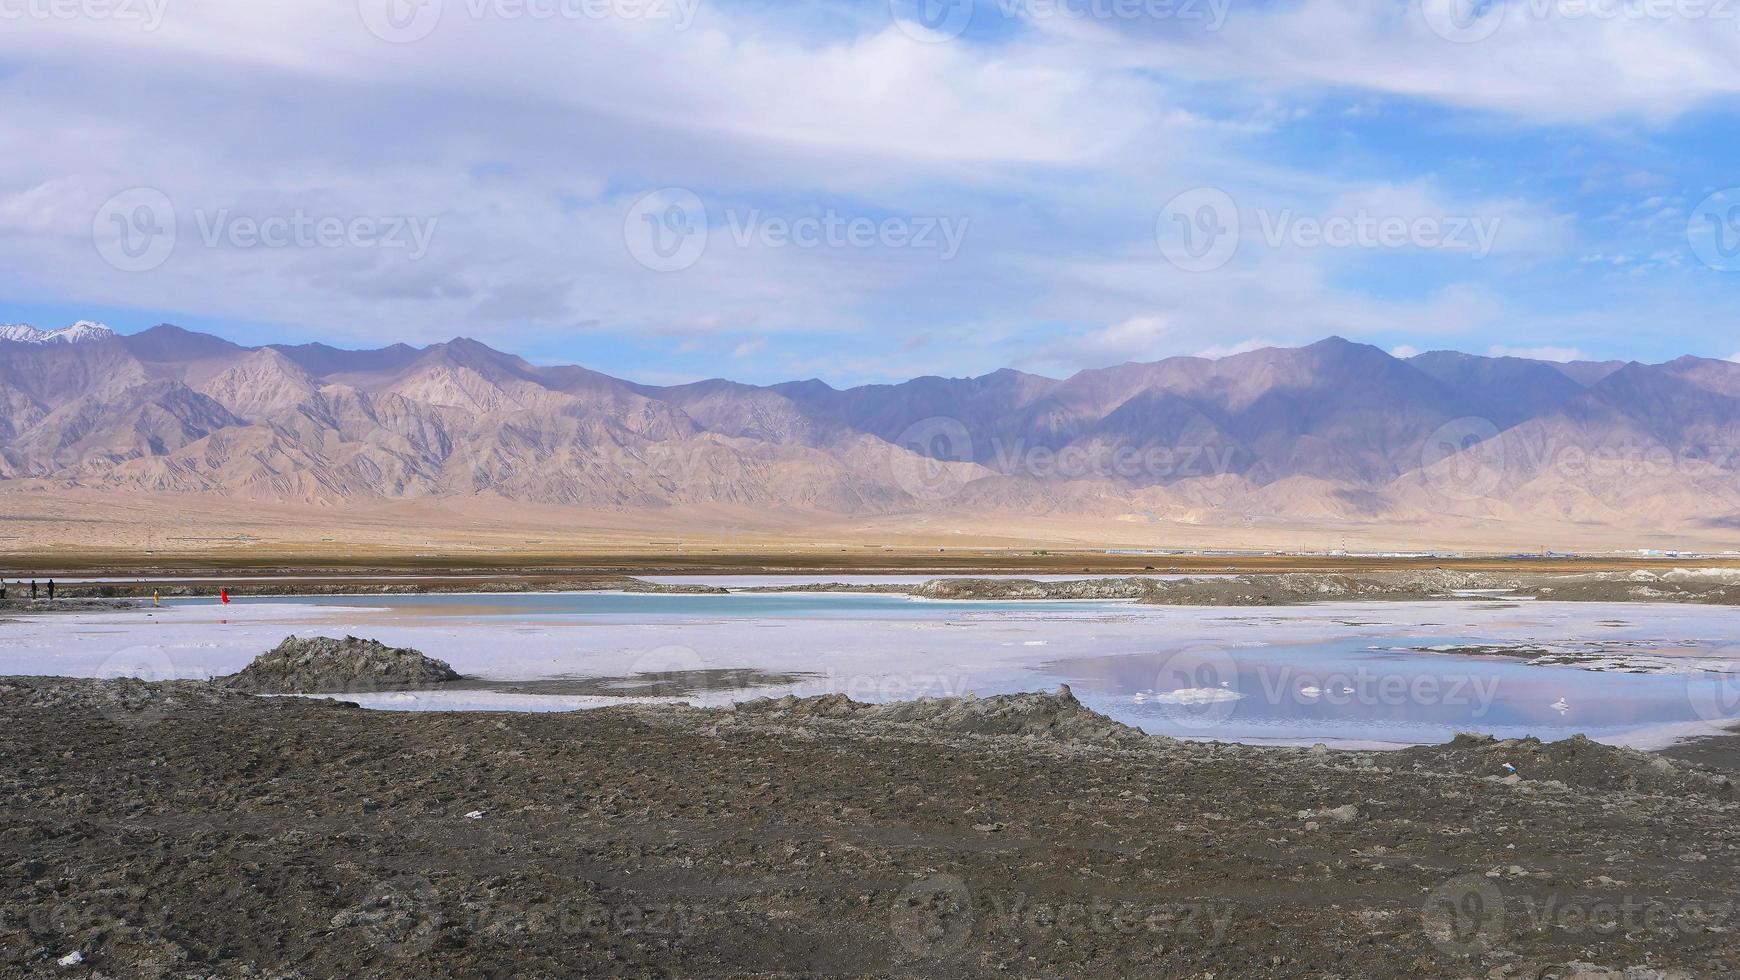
[189,830]
[1701,586]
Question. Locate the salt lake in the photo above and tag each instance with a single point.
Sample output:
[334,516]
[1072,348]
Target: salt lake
[1345,674]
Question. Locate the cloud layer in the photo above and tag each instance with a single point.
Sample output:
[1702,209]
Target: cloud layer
[656,186]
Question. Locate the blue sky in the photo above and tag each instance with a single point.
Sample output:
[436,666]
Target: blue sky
[867,191]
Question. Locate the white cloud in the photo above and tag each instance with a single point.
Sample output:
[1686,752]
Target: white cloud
[1540,62]
[1560,354]
[1137,338]
[527,141]
[1242,347]
[1404,351]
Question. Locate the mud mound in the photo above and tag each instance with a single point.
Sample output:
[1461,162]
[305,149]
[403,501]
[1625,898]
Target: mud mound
[322,665]
[1442,580]
[1640,586]
[993,588]
[1576,762]
[1052,717]
[1289,588]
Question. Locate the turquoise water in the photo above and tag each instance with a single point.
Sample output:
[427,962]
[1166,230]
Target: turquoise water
[639,606]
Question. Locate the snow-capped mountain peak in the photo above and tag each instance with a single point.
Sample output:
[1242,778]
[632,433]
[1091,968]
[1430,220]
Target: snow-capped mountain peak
[78,333]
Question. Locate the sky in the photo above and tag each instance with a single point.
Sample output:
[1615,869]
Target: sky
[871,190]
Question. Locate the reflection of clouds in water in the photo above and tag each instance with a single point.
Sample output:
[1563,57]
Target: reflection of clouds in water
[891,643]
[1347,692]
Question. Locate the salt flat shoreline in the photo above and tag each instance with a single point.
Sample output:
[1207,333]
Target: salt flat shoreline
[1704,585]
[176,830]
[904,645]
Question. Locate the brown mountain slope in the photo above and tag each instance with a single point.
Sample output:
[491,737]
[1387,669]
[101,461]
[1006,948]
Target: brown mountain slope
[1336,431]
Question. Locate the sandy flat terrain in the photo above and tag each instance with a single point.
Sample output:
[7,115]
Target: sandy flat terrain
[70,529]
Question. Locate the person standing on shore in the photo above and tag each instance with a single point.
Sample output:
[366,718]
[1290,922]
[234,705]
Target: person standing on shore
[51,590]
[33,588]
[156,600]
[224,594]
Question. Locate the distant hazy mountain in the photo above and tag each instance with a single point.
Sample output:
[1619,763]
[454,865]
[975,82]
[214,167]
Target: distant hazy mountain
[1336,430]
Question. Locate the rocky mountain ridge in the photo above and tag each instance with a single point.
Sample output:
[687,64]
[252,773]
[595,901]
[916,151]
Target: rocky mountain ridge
[1334,430]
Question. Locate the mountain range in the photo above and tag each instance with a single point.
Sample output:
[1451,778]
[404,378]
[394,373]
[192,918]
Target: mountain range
[1333,431]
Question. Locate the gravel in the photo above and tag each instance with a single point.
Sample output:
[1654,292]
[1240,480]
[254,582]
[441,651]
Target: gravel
[185,830]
